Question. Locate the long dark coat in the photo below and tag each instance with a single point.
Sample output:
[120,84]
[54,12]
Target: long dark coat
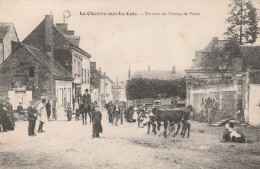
[97,117]
[10,113]
[6,118]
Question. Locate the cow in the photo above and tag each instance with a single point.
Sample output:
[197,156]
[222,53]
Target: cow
[175,115]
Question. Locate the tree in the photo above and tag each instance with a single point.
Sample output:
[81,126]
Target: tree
[153,88]
[220,61]
[242,22]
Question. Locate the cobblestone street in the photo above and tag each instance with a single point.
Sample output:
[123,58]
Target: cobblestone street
[69,145]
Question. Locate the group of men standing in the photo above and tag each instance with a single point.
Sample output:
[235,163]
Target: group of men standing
[40,113]
[115,112]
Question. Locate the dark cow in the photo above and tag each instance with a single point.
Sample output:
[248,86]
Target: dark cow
[175,115]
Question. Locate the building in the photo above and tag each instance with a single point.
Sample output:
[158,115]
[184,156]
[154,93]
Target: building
[8,40]
[64,46]
[158,74]
[119,92]
[106,90]
[27,74]
[95,82]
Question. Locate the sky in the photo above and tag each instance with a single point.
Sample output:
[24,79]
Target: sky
[115,42]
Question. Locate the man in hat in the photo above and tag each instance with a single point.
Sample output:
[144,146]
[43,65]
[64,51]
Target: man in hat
[32,113]
[42,115]
[20,111]
[96,119]
[86,98]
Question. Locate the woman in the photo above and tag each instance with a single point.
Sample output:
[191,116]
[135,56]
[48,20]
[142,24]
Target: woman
[96,119]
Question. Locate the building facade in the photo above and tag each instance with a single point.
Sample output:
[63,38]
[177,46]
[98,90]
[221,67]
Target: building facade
[64,46]
[8,39]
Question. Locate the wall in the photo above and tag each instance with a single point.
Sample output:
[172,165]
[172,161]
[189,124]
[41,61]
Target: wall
[215,102]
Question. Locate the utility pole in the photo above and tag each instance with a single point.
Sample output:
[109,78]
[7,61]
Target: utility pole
[241,22]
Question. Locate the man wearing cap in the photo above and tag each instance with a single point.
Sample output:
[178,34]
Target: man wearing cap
[42,115]
[116,113]
[32,112]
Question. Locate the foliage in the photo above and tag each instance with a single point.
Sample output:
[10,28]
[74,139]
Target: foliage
[242,22]
[153,88]
[219,62]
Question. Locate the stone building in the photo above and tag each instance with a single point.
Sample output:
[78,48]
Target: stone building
[64,46]
[26,75]
[8,39]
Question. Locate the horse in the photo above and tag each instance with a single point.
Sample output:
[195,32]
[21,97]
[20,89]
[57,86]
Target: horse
[87,108]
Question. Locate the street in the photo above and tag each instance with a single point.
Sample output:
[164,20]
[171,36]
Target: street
[68,144]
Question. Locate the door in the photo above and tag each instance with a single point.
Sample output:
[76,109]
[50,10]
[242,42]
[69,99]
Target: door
[254,105]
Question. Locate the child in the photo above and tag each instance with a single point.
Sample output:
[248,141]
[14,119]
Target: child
[77,111]
[69,112]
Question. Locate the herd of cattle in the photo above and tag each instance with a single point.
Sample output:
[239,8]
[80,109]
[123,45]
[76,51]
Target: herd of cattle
[157,117]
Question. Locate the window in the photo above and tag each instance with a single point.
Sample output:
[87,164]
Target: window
[78,69]
[82,76]
[31,71]
[74,67]
[85,76]
[88,76]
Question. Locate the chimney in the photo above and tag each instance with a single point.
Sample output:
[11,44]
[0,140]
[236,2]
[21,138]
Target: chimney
[149,68]
[48,34]
[63,27]
[173,70]
[117,81]
[99,69]
[104,74]
[71,32]
[93,64]
[214,41]
[129,72]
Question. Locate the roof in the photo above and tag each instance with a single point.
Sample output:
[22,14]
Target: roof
[158,74]
[73,45]
[59,72]
[4,29]
[92,68]
[111,81]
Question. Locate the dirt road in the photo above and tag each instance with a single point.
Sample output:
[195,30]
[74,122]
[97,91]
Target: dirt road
[69,145]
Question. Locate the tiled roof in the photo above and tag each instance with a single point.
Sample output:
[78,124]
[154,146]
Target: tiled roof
[58,71]
[158,74]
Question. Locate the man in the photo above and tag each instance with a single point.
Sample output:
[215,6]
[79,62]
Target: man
[20,111]
[48,109]
[42,115]
[32,112]
[110,112]
[2,111]
[96,119]
[9,111]
[86,98]
[116,113]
